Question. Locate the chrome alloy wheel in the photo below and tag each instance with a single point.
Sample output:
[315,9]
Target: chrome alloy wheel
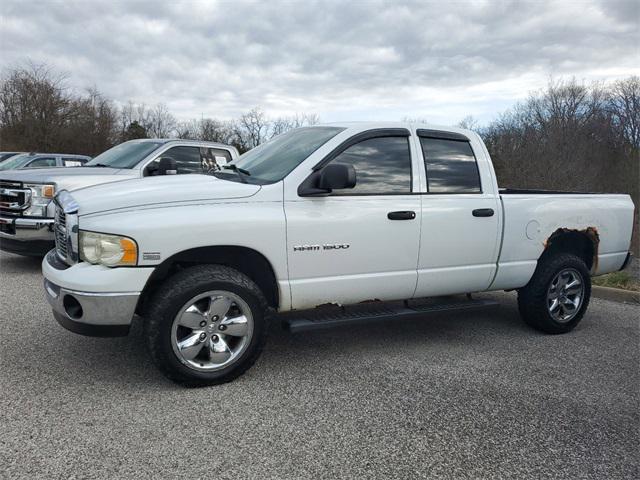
[565,294]
[212,330]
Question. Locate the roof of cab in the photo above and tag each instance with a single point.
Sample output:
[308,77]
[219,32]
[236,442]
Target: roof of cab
[183,140]
[367,125]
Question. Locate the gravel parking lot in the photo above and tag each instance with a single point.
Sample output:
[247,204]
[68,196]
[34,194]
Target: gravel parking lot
[454,396]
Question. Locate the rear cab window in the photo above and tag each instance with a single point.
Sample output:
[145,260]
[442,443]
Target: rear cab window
[450,164]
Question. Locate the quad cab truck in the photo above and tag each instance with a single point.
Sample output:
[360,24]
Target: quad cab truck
[26,207]
[322,226]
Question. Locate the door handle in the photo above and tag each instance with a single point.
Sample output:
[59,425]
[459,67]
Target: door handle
[401,215]
[483,212]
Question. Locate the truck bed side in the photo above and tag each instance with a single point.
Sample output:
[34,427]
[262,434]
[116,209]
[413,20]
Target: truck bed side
[531,220]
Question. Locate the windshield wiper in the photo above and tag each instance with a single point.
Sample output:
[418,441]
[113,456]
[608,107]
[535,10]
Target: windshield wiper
[241,172]
[235,168]
[99,165]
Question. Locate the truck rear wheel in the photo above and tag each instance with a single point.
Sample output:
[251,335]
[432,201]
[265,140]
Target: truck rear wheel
[206,325]
[556,298]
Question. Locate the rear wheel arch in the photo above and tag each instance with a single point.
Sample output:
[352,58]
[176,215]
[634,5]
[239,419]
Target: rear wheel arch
[581,243]
[243,259]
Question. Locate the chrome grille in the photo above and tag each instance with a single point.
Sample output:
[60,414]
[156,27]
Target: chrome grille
[14,199]
[60,232]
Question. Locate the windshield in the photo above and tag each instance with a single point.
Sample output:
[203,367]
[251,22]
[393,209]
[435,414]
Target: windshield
[15,162]
[7,155]
[272,161]
[125,155]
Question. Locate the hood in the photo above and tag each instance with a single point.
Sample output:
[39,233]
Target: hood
[69,178]
[159,191]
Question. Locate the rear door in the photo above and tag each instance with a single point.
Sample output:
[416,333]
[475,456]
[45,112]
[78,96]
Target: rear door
[460,216]
[358,244]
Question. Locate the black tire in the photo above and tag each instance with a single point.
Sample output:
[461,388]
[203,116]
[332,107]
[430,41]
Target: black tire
[532,299]
[172,295]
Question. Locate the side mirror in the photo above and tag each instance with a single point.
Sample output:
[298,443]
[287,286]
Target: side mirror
[335,176]
[167,166]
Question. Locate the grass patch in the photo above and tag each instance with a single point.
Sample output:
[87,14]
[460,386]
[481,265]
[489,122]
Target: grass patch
[618,280]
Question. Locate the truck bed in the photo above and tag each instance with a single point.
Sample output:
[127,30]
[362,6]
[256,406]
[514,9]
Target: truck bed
[532,217]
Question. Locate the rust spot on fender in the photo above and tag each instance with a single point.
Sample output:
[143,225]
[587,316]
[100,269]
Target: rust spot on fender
[590,232]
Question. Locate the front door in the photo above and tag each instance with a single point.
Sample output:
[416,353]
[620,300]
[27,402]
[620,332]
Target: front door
[358,244]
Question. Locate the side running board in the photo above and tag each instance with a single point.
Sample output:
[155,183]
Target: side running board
[335,316]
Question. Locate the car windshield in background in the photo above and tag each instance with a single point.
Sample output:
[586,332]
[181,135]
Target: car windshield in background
[15,162]
[272,161]
[7,155]
[125,155]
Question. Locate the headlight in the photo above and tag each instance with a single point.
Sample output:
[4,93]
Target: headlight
[109,250]
[41,195]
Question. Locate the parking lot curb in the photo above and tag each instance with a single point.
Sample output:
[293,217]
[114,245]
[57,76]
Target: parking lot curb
[615,294]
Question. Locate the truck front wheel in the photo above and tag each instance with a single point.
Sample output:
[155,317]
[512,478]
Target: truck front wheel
[206,325]
[557,296]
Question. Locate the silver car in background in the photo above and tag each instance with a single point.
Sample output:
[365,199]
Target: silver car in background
[42,160]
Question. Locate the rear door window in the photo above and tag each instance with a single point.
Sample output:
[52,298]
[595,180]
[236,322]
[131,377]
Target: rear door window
[451,166]
[214,158]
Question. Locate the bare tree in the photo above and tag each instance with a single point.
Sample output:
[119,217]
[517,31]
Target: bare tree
[283,124]
[160,122]
[251,128]
[92,127]
[625,106]
[130,113]
[35,104]
[188,129]
[214,130]
[469,122]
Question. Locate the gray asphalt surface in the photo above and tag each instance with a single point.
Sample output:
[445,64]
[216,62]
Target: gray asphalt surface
[451,396]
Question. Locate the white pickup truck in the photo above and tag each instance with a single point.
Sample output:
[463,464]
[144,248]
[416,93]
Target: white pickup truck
[322,226]
[26,209]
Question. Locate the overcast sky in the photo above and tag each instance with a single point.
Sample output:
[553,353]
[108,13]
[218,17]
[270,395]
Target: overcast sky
[343,60]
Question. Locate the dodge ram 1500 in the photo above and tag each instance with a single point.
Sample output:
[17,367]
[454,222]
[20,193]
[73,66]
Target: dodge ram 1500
[387,214]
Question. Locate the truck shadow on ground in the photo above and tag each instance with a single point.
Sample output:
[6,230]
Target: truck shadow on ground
[20,265]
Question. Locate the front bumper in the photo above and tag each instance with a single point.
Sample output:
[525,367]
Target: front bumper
[26,236]
[101,312]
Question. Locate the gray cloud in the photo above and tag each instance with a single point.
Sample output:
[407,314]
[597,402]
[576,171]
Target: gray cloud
[355,60]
